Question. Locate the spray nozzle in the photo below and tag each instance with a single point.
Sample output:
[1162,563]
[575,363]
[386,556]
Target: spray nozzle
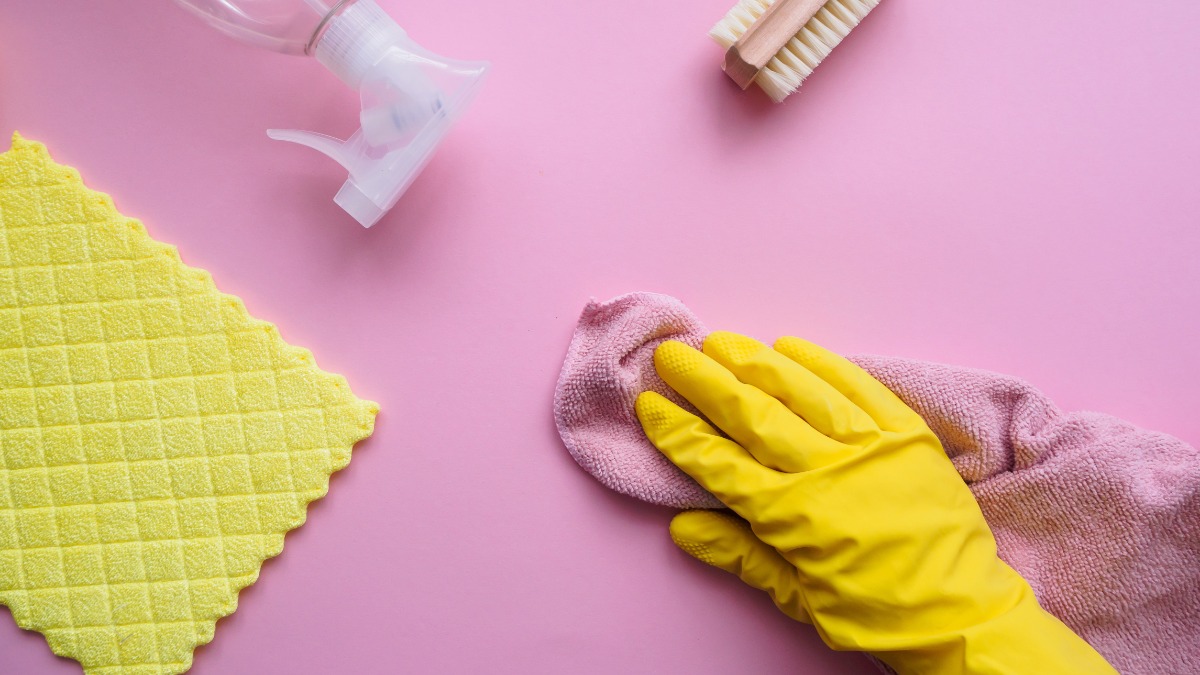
[410,97]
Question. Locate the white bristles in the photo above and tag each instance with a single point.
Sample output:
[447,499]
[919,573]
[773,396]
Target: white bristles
[784,74]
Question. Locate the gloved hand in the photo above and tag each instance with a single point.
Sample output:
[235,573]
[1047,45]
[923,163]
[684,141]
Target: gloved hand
[852,517]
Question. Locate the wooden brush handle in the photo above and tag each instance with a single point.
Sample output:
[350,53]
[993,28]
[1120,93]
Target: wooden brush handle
[766,36]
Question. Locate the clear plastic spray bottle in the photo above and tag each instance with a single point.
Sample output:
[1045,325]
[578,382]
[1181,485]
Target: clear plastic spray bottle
[410,97]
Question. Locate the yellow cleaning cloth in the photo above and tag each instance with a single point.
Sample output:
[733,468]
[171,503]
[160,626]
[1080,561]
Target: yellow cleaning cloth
[156,442]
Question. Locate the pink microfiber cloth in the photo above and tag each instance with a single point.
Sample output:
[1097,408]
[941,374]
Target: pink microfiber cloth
[1101,517]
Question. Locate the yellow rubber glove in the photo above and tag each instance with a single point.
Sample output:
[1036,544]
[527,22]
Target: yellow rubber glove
[852,517]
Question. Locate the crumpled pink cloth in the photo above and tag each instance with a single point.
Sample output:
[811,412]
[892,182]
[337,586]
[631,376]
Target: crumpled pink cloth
[1101,517]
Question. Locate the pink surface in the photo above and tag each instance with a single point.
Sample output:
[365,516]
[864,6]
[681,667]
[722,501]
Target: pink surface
[973,183]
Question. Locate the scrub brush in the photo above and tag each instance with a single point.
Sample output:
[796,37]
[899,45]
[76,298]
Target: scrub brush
[778,43]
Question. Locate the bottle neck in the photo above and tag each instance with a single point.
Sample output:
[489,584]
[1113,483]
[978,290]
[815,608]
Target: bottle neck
[356,35]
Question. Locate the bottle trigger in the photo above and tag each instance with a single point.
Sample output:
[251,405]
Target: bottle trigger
[326,145]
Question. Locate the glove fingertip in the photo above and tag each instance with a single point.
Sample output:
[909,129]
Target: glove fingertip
[697,532]
[797,349]
[654,411]
[673,359]
[731,348]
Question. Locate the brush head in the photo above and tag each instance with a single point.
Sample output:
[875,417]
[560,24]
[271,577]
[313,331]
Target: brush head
[797,59]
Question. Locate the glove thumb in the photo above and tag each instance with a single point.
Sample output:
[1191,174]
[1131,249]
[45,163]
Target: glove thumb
[723,540]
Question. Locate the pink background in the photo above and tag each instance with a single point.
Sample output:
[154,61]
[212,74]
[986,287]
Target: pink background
[982,183]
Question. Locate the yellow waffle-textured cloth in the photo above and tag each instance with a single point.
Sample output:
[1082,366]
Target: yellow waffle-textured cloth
[156,442]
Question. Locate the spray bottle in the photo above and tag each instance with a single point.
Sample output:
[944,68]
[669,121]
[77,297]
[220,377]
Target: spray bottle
[410,97]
